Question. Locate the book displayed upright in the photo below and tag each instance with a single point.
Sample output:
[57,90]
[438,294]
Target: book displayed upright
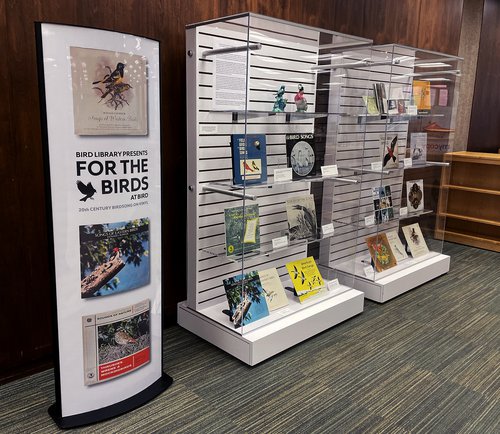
[306,278]
[249,158]
[273,288]
[415,195]
[422,96]
[242,229]
[381,252]
[382,204]
[389,147]
[301,154]
[246,299]
[396,245]
[415,239]
[301,214]
[418,148]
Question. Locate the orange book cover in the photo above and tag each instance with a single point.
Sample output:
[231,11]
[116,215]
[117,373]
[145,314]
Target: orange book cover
[422,95]
[380,251]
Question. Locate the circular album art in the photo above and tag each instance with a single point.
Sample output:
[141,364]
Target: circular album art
[415,196]
[302,158]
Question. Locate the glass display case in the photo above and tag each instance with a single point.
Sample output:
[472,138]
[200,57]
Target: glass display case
[276,130]
[409,127]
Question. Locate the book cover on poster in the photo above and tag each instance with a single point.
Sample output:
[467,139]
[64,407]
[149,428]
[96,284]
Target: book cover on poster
[115,342]
[273,288]
[381,252]
[109,92]
[306,278]
[114,257]
[246,299]
[301,155]
[415,195]
[389,147]
[242,229]
[301,215]
[249,158]
[415,239]
[382,204]
[418,148]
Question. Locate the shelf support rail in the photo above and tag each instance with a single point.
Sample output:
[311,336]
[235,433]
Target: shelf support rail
[237,194]
[251,47]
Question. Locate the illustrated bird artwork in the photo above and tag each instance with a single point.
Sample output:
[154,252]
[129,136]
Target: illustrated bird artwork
[114,77]
[390,152]
[255,167]
[247,167]
[123,338]
[87,190]
[300,100]
[307,222]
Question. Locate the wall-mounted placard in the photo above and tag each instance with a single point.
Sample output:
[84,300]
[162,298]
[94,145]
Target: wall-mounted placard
[101,123]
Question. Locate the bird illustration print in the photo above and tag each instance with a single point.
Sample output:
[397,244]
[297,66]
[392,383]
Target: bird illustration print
[114,87]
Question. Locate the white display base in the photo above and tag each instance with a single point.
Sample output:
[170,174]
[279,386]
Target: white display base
[282,329]
[398,280]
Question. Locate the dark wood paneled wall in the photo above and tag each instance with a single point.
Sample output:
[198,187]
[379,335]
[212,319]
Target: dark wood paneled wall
[484,130]
[25,292]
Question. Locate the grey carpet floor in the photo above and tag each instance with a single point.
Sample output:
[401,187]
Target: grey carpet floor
[427,361]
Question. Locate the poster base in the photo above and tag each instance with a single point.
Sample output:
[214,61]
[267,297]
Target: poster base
[159,386]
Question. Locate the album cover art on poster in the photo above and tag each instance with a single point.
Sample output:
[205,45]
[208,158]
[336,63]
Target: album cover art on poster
[115,342]
[109,92]
[114,257]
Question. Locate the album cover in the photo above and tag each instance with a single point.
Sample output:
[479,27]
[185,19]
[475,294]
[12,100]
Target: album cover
[242,229]
[381,252]
[115,342]
[306,278]
[114,257]
[246,299]
[301,214]
[396,245]
[422,96]
[389,147]
[382,204]
[273,288]
[301,155]
[415,240]
[249,158]
[418,148]
[109,92]
[415,195]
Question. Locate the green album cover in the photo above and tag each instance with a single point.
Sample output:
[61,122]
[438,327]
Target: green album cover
[242,229]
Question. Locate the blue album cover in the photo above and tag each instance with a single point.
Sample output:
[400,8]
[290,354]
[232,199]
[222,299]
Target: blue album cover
[249,160]
[246,299]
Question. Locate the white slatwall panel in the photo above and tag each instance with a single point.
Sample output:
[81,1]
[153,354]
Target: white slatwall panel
[286,57]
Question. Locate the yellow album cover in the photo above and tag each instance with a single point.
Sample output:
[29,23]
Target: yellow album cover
[422,95]
[305,275]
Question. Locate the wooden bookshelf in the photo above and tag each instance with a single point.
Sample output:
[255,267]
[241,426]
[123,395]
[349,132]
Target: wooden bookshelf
[469,203]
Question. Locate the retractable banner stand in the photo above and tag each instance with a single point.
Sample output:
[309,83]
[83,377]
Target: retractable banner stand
[101,118]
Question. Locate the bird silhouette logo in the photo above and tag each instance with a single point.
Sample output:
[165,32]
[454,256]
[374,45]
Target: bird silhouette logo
[87,190]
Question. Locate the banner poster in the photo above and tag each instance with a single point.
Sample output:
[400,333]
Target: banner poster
[101,119]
